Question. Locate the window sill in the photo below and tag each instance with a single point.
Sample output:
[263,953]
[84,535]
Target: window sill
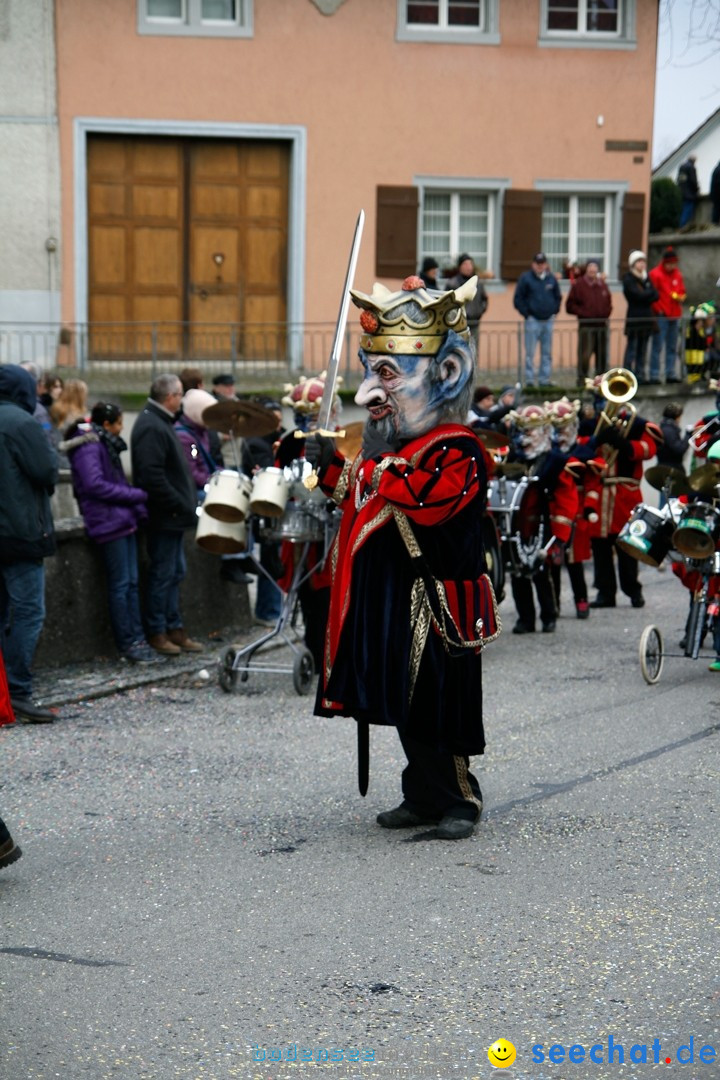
[586,41]
[447,37]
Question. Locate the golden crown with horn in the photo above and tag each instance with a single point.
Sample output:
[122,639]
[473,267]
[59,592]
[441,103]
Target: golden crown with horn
[413,320]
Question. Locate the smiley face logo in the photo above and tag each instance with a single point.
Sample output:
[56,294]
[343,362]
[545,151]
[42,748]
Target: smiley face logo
[501,1054]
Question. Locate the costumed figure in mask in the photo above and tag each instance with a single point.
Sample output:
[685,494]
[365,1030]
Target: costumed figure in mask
[551,503]
[304,398]
[564,420]
[611,493]
[413,502]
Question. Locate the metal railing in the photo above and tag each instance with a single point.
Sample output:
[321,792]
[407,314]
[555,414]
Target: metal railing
[128,355]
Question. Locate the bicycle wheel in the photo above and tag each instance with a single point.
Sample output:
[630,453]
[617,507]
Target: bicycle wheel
[696,627]
[651,654]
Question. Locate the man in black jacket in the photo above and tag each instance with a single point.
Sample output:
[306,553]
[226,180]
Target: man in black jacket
[160,468]
[689,189]
[715,194]
[28,473]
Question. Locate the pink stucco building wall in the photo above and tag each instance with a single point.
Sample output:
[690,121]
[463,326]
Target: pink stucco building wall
[375,110]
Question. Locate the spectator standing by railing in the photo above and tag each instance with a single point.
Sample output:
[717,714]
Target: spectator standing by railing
[590,300]
[160,468]
[537,298]
[111,509]
[28,473]
[195,438]
[668,280]
[51,387]
[475,308]
[640,294]
[715,194]
[70,408]
[689,189]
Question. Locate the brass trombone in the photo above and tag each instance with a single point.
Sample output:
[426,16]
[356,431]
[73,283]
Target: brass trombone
[617,386]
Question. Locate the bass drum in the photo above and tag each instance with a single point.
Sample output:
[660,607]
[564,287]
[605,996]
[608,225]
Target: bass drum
[519,509]
[493,556]
[647,535]
[698,532]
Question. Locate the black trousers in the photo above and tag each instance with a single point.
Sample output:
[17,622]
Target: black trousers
[576,574]
[315,605]
[436,783]
[605,580]
[591,339]
[522,590]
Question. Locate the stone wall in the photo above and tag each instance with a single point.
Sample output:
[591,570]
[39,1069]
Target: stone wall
[77,625]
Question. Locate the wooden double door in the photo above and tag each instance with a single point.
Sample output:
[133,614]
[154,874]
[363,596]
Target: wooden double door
[187,246]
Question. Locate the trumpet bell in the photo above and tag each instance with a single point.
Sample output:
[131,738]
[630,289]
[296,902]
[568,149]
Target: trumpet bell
[618,385]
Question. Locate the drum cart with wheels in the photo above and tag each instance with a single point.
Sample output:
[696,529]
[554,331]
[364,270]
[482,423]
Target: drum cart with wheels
[701,620]
[307,521]
[683,531]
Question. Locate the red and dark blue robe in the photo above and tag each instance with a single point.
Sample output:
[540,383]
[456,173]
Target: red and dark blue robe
[439,481]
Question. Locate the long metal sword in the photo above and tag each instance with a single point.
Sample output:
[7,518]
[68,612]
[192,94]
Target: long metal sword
[333,367]
[327,400]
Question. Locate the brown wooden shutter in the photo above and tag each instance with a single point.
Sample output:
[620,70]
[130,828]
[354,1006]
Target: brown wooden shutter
[522,231]
[396,231]
[633,232]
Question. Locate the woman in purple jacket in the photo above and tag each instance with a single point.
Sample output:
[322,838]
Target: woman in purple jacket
[111,510]
[195,438]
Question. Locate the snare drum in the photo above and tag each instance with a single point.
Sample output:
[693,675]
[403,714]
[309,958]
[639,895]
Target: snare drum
[647,535]
[269,493]
[227,496]
[301,522]
[501,493]
[698,531]
[220,537]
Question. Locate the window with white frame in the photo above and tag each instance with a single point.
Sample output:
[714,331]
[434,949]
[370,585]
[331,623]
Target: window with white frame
[576,228]
[456,222]
[460,21]
[600,23]
[196,18]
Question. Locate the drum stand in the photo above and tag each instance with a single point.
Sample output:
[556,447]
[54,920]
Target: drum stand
[240,660]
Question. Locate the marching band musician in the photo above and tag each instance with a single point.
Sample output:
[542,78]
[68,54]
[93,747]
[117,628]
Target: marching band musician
[611,496]
[564,419]
[413,503]
[558,500]
[304,398]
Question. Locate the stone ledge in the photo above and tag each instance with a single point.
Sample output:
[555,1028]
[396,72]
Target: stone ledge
[77,622]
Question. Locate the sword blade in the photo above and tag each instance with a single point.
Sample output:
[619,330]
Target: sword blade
[326,404]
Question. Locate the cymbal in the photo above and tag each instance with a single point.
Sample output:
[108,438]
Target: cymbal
[705,479]
[510,469]
[244,419]
[351,442]
[660,475]
[491,440]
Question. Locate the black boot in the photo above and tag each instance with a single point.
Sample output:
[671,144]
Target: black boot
[9,850]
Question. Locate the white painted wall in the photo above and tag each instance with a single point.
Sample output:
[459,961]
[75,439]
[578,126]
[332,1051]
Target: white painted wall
[705,146]
[29,164]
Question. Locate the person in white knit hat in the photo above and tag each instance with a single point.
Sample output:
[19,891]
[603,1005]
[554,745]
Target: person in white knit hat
[640,294]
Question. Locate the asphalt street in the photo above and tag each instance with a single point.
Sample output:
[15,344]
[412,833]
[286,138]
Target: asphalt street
[202,885]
